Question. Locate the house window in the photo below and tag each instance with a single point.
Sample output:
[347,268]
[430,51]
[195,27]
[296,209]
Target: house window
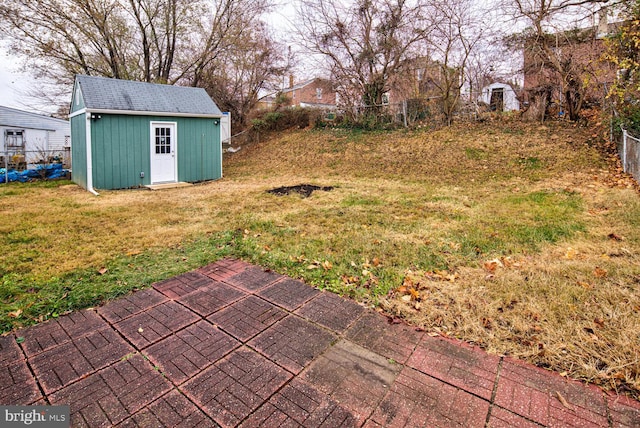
[14,139]
[163,140]
[385,98]
[78,96]
[319,93]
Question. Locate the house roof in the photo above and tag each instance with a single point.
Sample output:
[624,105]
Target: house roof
[300,85]
[103,93]
[23,119]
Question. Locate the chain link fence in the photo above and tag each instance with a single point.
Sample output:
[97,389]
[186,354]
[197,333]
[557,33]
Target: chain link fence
[26,165]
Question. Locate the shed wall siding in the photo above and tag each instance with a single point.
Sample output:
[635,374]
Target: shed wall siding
[121,150]
[199,149]
[79,150]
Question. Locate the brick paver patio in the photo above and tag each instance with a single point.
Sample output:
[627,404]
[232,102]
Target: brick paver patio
[231,344]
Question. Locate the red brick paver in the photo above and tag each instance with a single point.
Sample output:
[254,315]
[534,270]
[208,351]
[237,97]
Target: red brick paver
[288,293]
[183,284]
[624,411]
[223,269]
[207,300]
[458,364]
[331,311]
[58,331]
[17,385]
[109,396]
[234,387]
[418,400]
[535,394]
[253,278]
[189,351]
[299,404]
[172,410]
[132,304]
[394,341]
[59,366]
[353,376]
[155,323]
[293,343]
[247,317]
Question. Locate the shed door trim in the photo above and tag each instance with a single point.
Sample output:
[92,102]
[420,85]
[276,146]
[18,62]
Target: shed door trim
[164,153]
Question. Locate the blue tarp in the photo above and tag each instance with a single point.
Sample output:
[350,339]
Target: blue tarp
[48,172]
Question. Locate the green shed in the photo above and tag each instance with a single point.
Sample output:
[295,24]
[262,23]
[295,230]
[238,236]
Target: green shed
[127,134]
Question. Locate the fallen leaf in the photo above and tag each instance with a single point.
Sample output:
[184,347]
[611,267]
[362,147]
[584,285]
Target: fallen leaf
[415,295]
[585,285]
[562,400]
[417,306]
[327,265]
[20,339]
[616,237]
[406,298]
[433,334]
[492,265]
[15,314]
[403,289]
[267,248]
[103,271]
[140,330]
[376,262]
[599,272]
[570,254]
[599,322]
[311,267]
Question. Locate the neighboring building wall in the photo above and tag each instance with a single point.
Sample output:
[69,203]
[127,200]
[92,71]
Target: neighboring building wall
[317,91]
[39,133]
[586,54]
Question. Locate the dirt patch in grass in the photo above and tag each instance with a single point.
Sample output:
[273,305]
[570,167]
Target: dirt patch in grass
[304,190]
[520,238]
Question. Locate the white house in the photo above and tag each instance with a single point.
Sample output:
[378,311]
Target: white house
[32,135]
[500,97]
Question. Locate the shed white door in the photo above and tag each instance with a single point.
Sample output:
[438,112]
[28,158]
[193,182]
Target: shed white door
[163,152]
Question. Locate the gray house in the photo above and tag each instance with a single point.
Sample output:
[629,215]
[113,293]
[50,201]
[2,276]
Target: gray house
[30,136]
[127,134]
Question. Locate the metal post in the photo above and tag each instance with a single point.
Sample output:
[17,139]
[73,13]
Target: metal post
[624,150]
[404,112]
[6,168]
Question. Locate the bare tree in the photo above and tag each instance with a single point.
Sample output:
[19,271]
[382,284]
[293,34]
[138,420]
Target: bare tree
[365,42]
[456,30]
[167,41]
[238,75]
[550,44]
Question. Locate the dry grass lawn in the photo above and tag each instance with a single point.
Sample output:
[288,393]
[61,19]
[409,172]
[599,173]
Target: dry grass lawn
[520,238]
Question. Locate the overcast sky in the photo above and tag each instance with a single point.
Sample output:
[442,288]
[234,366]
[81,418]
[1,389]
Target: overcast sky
[12,82]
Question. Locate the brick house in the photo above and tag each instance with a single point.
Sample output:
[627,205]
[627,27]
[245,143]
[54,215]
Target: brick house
[312,93]
[579,50]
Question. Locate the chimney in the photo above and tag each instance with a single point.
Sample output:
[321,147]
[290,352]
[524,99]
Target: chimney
[290,81]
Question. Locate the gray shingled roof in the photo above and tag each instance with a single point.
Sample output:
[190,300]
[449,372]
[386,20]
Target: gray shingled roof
[102,93]
[23,119]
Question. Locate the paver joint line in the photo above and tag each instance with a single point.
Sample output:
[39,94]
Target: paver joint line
[232,344]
